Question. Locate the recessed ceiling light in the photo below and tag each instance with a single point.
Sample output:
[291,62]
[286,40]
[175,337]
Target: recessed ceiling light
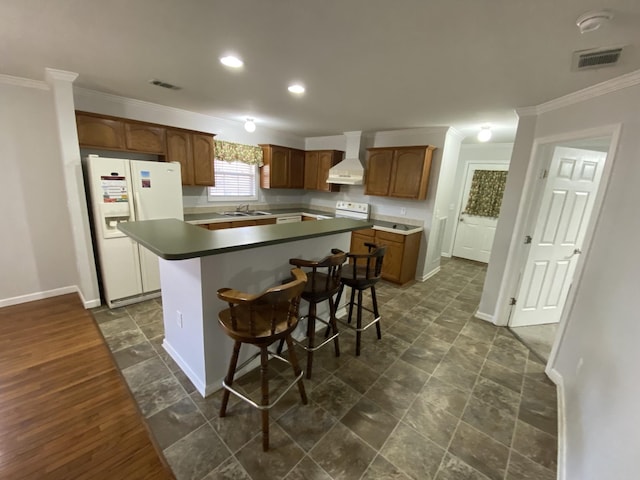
[250,125]
[296,88]
[484,135]
[231,61]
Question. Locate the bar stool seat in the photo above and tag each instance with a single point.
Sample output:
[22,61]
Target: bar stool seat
[261,320]
[361,274]
[323,282]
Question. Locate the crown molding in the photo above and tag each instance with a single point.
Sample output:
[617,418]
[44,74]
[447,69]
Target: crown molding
[409,132]
[54,74]
[23,82]
[609,86]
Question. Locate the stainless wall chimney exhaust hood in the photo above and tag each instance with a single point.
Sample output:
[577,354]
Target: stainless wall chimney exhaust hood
[349,171]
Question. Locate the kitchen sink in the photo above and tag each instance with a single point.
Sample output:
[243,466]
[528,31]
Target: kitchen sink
[245,213]
[236,214]
[258,212]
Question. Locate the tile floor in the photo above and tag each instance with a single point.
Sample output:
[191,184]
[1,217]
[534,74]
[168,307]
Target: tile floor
[539,338]
[442,396]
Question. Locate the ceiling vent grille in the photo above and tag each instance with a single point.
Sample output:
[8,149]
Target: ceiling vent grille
[162,84]
[596,58]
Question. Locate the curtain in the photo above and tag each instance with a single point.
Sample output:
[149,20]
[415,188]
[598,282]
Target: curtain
[485,196]
[237,152]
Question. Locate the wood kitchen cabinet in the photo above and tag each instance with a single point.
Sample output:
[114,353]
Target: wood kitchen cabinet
[316,169]
[100,132]
[141,137]
[195,152]
[238,223]
[401,257]
[401,172]
[283,167]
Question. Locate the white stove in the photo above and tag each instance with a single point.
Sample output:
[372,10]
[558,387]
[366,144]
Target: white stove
[359,211]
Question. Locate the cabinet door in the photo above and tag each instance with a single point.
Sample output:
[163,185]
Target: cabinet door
[379,163]
[392,263]
[265,221]
[219,225]
[296,169]
[358,240]
[179,150]
[242,223]
[203,160]
[100,132]
[311,161]
[407,173]
[140,137]
[326,160]
[279,167]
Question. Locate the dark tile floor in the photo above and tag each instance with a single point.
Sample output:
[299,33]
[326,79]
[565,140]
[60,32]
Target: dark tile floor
[442,396]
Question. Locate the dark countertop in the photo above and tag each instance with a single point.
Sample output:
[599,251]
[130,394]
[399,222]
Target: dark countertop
[173,239]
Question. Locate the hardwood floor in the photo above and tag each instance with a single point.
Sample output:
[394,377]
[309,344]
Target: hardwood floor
[65,411]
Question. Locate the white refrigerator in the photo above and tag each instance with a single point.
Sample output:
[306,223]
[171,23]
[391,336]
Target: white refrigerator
[124,190]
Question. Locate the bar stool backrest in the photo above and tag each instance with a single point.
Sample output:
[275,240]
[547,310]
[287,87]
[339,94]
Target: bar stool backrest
[279,305]
[324,277]
[367,266]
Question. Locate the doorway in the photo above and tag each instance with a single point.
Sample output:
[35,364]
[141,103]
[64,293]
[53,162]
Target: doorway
[560,219]
[476,225]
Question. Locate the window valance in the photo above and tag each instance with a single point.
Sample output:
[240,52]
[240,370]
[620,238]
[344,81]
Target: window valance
[237,152]
[485,196]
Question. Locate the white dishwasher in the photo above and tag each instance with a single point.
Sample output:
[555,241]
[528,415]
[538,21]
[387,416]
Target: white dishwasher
[289,219]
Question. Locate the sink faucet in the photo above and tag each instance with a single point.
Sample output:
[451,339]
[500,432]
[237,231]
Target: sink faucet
[242,206]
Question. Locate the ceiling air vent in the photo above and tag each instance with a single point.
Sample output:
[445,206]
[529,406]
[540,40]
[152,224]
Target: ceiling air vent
[162,84]
[596,58]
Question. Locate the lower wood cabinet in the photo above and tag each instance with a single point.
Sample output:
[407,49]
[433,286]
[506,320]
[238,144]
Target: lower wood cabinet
[401,257]
[237,223]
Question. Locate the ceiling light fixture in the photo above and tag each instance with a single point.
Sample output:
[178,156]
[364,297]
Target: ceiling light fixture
[250,125]
[231,61]
[484,135]
[296,88]
[590,21]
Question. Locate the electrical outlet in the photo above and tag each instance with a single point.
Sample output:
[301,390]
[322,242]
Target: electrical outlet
[179,318]
[403,211]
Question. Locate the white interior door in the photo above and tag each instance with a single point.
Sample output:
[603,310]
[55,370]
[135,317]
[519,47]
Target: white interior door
[565,210]
[474,234]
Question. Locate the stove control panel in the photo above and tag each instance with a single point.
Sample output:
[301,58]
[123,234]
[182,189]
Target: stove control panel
[353,207]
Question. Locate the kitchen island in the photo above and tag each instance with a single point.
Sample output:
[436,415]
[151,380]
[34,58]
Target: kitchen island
[195,263]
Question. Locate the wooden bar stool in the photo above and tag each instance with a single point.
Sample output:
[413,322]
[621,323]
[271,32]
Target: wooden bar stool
[362,273]
[261,320]
[323,282]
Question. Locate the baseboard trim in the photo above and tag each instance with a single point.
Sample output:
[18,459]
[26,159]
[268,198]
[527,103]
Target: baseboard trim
[428,275]
[197,381]
[556,378]
[484,316]
[6,302]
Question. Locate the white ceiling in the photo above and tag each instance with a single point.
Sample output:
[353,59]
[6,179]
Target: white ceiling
[367,64]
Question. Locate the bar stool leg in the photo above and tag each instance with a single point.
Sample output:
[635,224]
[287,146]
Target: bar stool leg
[353,296]
[334,325]
[229,380]
[264,380]
[311,336]
[359,323]
[375,310]
[293,359]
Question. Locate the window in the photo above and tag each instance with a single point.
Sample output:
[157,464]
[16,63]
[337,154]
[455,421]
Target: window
[234,181]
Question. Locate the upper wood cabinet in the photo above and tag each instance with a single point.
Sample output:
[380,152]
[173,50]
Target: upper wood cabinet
[193,150]
[141,137]
[195,153]
[101,132]
[401,172]
[316,169]
[283,167]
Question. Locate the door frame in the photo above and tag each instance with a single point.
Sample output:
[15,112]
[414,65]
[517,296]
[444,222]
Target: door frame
[527,213]
[468,165]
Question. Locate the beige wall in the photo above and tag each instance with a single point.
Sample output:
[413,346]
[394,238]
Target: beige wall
[36,257]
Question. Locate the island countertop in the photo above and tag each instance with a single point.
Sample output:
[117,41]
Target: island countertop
[174,239]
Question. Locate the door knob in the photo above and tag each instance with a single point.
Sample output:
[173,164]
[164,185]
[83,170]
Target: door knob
[576,251]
